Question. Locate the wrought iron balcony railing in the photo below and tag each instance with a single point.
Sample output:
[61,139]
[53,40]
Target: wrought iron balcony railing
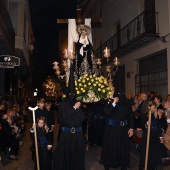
[144,24]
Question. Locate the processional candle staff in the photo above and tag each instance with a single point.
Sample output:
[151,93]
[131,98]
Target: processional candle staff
[35,135]
[147,142]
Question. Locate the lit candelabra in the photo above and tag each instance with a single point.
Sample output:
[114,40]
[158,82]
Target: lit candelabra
[107,53]
[109,71]
[68,57]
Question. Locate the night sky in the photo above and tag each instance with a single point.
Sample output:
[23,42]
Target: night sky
[44,14]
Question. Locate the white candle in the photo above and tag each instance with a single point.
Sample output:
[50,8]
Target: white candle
[71,55]
[106,51]
[65,52]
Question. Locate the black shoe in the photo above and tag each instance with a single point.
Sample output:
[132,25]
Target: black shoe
[114,167]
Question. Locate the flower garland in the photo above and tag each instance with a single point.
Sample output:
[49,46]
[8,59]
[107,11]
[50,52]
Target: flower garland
[91,88]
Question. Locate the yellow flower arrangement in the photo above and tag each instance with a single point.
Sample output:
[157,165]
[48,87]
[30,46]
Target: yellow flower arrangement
[91,88]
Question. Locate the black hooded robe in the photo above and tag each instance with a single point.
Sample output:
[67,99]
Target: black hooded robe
[70,150]
[116,149]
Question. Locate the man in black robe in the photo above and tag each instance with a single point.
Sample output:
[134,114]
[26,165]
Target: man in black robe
[119,127]
[70,150]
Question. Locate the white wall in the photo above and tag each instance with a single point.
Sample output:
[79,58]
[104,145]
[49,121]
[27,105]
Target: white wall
[163,16]
[125,11]
[130,63]
[112,13]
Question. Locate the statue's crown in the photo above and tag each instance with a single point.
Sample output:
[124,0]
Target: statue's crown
[83,29]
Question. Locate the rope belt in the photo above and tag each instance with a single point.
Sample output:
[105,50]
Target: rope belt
[72,129]
[116,122]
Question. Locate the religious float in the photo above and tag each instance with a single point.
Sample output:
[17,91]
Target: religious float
[91,84]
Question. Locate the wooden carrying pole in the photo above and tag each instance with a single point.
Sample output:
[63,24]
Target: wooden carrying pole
[35,136]
[147,142]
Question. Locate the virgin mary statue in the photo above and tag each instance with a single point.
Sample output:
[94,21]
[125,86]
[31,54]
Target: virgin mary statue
[84,61]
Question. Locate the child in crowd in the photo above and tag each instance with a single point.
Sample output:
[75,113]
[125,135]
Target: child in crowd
[41,111]
[50,118]
[44,143]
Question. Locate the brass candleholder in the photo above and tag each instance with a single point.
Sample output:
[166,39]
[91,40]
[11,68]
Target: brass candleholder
[109,71]
[98,62]
[68,57]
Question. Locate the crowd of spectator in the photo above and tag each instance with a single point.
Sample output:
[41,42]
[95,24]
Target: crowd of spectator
[13,118]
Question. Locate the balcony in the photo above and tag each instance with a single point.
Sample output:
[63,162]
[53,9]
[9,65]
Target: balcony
[140,32]
[7,34]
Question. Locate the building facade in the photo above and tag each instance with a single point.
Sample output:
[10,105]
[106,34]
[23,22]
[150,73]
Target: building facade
[7,43]
[137,32]
[20,17]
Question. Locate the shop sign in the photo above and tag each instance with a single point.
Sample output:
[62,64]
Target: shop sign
[7,61]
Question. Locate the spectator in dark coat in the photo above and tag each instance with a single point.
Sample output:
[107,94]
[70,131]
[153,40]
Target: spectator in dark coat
[145,102]
[158,101]
[8,136]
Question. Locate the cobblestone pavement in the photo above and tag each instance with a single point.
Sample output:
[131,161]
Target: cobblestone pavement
[25,162]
